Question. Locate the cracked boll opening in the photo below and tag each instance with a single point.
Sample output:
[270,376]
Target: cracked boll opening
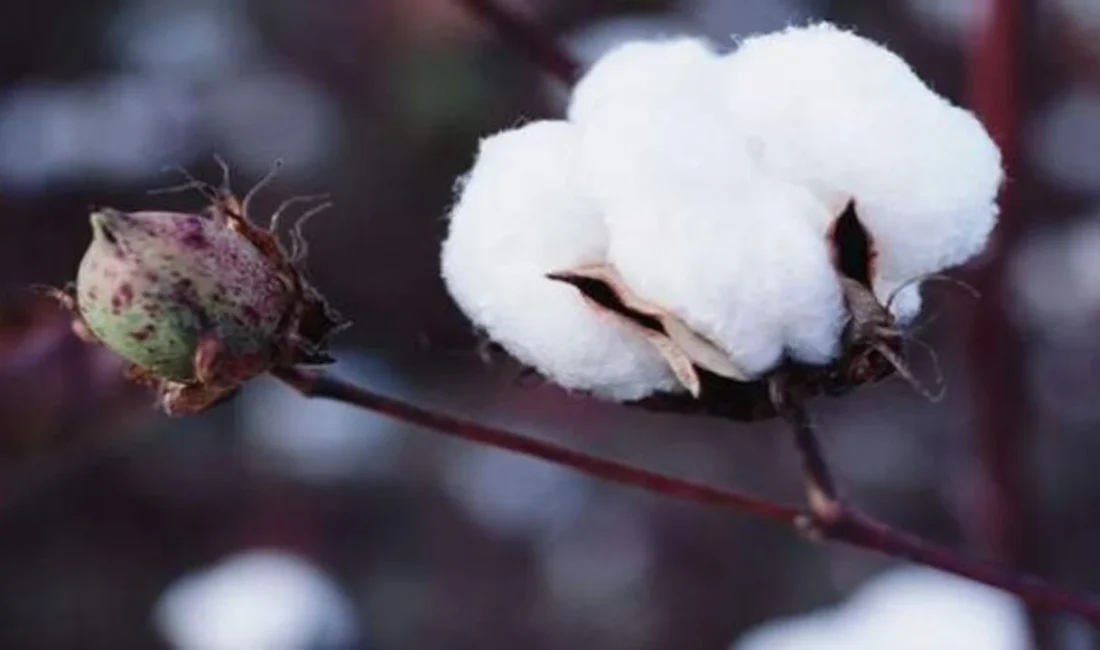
[153,283]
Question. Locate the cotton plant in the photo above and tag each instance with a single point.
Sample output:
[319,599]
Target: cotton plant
[729,232]
[727,191]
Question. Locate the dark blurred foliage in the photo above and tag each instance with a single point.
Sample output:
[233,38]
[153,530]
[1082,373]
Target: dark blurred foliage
[428,543]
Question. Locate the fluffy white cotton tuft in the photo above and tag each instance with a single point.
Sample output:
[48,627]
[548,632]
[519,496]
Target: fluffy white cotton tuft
[522,213]
[693,227]
[650,116]
[257,599]
[843,115]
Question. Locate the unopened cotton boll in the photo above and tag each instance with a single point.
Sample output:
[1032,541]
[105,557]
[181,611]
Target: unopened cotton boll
[522,213]
[693,227]
[850,119]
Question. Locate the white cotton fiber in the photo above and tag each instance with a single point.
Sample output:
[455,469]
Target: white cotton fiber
[522,213]
[650,116]
[693,226]
[839,113]
[758,287]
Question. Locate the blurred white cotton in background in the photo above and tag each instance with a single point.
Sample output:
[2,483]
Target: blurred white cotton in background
[515,496]
[117,129]
[951,19]
[188,41]
[322,440]
[606,555]
[1065,137]
[1085,13]
[904,609]
[1055,291]
[1056,281]
[192,80]
[210,49]
[521,213]
[269,600]
[599,571]
[247,120]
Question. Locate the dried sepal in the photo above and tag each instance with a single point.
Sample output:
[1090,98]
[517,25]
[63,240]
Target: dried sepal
[682,348]
[870,351]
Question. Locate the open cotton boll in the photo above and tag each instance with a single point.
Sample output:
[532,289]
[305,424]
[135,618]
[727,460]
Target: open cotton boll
[741,268]
[635,70]
[692,227]
[650,116]
[521,214]
[847,117]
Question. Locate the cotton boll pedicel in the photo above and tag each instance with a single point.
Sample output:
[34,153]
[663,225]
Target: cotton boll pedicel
[522,213]
[851,120]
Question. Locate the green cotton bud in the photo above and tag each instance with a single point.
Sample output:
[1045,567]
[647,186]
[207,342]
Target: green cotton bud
[152,284]
[199,303]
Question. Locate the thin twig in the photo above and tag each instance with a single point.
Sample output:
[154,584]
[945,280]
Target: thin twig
[844,525]
[320,385]
[830,518]
[821,492]
[527,37]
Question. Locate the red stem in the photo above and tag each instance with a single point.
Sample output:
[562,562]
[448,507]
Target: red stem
[841,523]
[1001,523]
[859,530]
[319,385]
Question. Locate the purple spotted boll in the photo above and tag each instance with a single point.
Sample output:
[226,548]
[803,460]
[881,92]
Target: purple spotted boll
[199,303]
[152,284]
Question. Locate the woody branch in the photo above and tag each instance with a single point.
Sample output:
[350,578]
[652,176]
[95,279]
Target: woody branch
[838,523]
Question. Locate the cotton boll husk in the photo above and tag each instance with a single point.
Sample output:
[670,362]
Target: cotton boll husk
[851,119]
[693,228]
[521,214]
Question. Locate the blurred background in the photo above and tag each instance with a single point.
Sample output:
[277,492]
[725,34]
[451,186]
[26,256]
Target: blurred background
[274,522]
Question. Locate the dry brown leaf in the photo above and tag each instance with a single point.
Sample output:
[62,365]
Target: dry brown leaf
[682,347]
